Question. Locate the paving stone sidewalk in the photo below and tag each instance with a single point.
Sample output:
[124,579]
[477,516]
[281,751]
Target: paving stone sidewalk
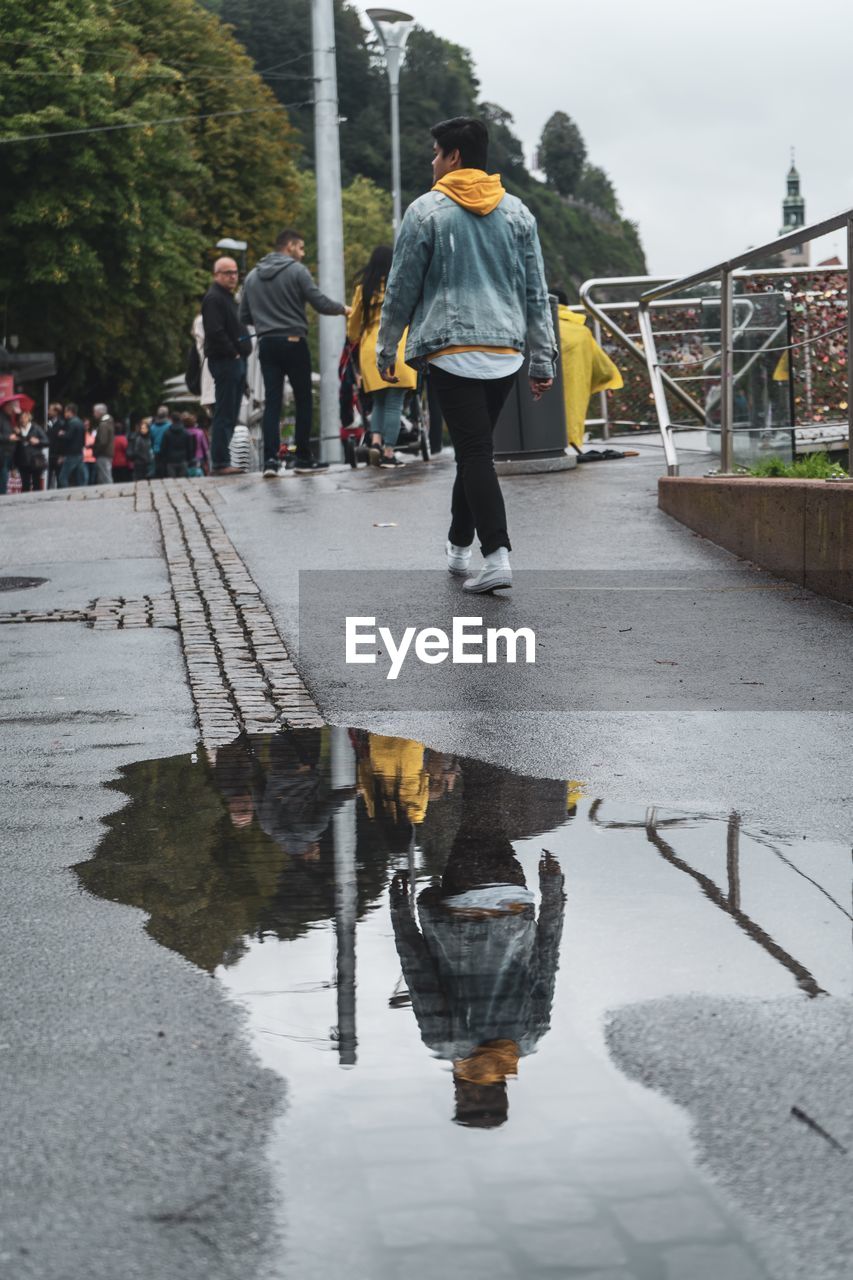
[240,673]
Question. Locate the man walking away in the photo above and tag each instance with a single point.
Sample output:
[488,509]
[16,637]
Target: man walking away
[274,298]
[105,434]
[73,439]
[468,279]
[226,345]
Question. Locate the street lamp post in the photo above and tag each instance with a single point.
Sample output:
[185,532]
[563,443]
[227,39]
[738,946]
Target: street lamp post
[330,226]
[392,26]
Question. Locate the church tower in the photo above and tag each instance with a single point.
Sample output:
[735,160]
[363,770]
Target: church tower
[793,216]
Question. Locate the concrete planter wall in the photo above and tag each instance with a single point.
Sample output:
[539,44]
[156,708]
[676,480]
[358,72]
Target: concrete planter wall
[801,530]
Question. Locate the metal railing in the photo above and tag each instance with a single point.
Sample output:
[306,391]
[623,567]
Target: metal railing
[726,273]
[604,316]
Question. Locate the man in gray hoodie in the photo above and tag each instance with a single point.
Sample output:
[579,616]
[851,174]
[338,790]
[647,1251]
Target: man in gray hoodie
[274,298]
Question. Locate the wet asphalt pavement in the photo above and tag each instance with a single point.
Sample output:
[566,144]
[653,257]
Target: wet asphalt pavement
[555,981]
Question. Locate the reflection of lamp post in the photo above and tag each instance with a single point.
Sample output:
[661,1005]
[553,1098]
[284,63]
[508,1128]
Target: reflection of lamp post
[346,890]
[392,27]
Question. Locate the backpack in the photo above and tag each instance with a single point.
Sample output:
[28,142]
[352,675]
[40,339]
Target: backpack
[192,374]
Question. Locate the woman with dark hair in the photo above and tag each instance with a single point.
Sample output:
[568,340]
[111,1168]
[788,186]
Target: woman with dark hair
[32,460]
[363,328]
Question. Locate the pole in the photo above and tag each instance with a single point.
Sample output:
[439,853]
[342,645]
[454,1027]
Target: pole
[346,891]
[850,346]
[330,226]
[726,382]
[392,58]
[604,407]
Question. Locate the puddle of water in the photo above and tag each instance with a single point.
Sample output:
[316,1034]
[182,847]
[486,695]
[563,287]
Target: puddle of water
[428,948]
[20,584]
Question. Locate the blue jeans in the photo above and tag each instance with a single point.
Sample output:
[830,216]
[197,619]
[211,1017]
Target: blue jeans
[72,471]
[228,376]
[281,358]
[385,412]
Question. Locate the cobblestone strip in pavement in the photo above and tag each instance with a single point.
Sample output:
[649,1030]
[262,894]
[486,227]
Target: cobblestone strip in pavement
[106,614]
[241,675]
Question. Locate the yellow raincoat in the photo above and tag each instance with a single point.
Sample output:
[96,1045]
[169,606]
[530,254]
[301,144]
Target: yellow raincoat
[397,764]
[586,369]
[407,378]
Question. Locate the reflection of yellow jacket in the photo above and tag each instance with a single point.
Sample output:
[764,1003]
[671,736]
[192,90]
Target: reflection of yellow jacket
[366,339]
[397,764]
[782,372]
[586,369]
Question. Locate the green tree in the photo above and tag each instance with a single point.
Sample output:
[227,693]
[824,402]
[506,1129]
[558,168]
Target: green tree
[105,236]
[367,223]
[595,187]
[506,154]
[562,152]
[248,184]
[278,39]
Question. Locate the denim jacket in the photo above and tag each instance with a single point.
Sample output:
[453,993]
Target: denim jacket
[459,279]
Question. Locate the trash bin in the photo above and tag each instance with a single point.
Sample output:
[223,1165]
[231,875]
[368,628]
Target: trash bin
[534,431]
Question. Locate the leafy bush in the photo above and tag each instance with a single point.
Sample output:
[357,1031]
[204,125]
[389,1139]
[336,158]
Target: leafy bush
[814,466]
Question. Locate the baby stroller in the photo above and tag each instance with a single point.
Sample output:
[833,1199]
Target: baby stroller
[355,414]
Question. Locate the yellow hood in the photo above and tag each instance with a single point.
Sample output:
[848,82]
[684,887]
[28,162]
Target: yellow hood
[490,1063]
[473,189]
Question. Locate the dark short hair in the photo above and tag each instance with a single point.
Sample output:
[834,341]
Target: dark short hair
[466,135]
[560,294]
[70,408]
[287,237]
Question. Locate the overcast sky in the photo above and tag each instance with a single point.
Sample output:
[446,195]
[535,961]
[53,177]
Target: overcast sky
[691,109]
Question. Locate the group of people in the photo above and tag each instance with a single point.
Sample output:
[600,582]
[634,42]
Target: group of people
[71,451]
[463,294]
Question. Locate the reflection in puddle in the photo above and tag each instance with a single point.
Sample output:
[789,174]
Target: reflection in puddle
[454,934]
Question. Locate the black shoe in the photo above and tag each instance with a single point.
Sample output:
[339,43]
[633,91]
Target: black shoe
[270,468]
[389,463]
[307,466]
[289,462]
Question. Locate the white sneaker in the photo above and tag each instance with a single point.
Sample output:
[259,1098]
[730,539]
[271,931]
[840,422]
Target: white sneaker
[458,559]
[495,575]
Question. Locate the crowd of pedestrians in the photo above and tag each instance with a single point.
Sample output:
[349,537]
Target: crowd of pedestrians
[73,451]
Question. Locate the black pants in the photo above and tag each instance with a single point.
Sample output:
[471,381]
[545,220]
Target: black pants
[31,481]
[471,407]
[283,358]
[436,422]
[228,377]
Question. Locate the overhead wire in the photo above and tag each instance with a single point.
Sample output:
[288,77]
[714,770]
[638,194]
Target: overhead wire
[140,55]
[142,72]
[151,124]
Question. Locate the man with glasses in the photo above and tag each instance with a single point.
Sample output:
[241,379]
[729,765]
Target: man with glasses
[227,345]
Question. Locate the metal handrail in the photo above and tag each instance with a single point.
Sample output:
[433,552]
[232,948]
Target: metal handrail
[727,272]
[599,312]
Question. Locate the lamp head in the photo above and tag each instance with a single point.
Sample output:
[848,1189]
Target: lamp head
[392,26]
